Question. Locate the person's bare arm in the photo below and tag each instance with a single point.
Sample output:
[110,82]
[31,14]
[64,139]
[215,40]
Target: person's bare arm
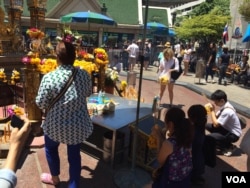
[213,116]
[165,150]
[17,141]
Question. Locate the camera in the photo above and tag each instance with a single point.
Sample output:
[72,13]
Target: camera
[16,122]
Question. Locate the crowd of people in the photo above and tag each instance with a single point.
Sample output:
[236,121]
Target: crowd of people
[216,57]
[180,148]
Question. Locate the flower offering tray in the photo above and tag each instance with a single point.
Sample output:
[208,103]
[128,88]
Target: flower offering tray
[100,105]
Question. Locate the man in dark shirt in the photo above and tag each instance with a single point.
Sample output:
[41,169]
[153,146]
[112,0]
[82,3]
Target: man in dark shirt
[223,64]
[211,62]
[124,57]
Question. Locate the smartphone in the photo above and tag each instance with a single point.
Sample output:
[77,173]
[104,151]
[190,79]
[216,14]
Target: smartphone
[16,122]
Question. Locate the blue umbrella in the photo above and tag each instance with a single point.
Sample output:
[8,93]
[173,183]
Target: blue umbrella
[246,37]
[171,32]
[87,17]
[156,26]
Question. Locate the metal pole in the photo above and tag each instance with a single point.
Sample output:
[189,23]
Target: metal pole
[237,6]
[139,89]
[133,177]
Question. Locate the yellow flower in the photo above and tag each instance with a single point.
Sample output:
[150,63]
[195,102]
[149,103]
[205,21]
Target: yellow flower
[16,110]
[86,65]
[101,56]
[48,65]
[35,61]
[164,79]
[123,85]
[152,142]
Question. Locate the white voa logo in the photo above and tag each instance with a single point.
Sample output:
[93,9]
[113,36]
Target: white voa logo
[236,179]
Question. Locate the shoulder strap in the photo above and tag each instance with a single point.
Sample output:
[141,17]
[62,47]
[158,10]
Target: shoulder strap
[173,66]
[230,108]
[63,90]
[223,109]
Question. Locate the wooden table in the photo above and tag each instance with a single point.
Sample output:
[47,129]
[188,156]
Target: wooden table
[123,116]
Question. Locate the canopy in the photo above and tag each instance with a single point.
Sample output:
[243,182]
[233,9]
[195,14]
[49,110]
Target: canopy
[171,32]
[156,26]
[87,17]
[246,37]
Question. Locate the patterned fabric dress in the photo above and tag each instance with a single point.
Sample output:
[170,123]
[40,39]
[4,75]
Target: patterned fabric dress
[177,169]
[68,120]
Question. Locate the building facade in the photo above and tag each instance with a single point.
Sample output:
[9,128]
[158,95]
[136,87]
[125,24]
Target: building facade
[129,16]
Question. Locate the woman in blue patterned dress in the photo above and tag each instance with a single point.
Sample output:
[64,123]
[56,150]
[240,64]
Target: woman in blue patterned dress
[67,121]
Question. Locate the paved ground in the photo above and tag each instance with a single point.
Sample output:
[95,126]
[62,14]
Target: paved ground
[96,173]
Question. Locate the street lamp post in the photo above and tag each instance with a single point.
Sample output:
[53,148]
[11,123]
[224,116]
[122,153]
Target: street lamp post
[15,10]
[37,13]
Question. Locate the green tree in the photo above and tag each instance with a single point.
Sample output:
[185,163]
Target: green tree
[222,6]
[244,10]
[203,8]
[205,28]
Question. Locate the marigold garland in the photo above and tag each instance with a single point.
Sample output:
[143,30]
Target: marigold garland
[101,56]
[35,33]
[86,65]
[47,65]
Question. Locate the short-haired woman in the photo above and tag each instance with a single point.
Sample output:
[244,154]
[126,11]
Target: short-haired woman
[67,121]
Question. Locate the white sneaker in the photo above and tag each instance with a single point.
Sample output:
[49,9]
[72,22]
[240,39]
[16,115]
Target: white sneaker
[213,81]
[229,151]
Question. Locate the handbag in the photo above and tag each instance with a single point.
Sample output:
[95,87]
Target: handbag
[63,90]
[176,74]
[244,144]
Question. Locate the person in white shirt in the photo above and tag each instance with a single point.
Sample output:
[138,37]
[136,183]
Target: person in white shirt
[133,50]
[186,59]
[177,49]
[225,128]
[167,65]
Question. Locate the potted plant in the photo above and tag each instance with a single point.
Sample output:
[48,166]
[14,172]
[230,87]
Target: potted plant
[244,10]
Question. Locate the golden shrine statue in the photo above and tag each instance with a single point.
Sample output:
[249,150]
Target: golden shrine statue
[10,38]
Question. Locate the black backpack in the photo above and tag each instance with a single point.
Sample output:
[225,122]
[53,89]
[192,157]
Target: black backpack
[176,74]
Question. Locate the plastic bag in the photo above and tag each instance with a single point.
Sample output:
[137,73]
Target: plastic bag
[164,78]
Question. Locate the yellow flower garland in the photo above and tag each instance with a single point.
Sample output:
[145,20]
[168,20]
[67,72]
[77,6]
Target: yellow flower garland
[86,65]
[48,66]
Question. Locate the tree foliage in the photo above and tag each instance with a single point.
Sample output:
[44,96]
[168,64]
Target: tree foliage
[205,22]
[222,7]
[244,9]
[208,27]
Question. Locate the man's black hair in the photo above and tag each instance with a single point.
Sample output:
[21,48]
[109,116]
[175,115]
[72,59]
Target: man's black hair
[218,95]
